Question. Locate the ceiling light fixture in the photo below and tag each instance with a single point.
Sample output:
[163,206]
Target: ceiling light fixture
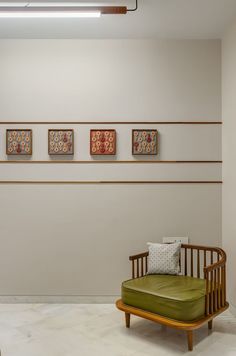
[33,14]
[62,10]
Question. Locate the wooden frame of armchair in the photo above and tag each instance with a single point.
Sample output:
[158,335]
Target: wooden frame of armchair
[190,264]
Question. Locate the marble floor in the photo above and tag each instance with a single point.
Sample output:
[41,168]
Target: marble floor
[98,330]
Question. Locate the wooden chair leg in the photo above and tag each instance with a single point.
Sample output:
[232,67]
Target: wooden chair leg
[190,340]
[127,320]
[210,324]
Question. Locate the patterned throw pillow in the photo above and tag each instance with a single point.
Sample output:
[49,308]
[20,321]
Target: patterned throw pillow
[164,258]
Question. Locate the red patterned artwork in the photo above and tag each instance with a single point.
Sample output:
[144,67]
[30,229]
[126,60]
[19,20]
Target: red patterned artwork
[102,142]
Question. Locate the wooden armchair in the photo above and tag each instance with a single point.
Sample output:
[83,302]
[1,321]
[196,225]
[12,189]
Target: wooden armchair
[207,264]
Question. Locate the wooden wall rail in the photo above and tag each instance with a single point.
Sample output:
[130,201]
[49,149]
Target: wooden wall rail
[105,162]
[105,182]
[111,123]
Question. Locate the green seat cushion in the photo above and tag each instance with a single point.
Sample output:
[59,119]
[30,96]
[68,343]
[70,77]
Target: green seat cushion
[175,297]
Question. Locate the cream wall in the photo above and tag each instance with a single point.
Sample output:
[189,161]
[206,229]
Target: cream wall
[75,240]
[229,149]
[105,80]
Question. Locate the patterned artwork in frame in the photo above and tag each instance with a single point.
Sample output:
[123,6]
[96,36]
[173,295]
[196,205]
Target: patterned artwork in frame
[60,142]
[144,142]
[102,142]
[19,142]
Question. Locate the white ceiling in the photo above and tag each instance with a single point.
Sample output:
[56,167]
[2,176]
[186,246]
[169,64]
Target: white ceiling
[154,19]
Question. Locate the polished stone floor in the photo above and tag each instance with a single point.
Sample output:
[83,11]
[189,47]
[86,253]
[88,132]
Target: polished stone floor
[98,330]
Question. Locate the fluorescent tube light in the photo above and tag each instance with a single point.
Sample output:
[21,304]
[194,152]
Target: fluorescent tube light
[50,10]
[51,14]
[13,4]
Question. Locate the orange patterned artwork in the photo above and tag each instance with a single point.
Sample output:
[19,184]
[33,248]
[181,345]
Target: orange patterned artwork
[144,142]
[102,142]
[19,142]
[60,142]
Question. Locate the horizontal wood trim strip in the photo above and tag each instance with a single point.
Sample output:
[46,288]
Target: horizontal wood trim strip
[108,182]
[107,162]
[111,123]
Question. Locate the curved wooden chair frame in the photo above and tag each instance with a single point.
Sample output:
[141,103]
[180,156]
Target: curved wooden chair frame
[196,261]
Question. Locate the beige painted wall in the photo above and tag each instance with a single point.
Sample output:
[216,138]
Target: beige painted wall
[104,79]
[75,240]
[229,149]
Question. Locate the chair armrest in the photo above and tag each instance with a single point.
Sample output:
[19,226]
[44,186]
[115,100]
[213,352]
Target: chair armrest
[140,255]
[139,264]
[215,276]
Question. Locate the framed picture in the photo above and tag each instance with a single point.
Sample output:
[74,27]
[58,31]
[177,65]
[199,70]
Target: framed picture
[102,142]
[60,142]
[144,142]
[19,142]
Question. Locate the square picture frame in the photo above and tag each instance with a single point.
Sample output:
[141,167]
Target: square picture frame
[60,142]
[144,142]
[19,142]
[102,142]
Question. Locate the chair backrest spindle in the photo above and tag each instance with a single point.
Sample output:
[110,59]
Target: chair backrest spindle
[198,263]
[185,261]
[191,262]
